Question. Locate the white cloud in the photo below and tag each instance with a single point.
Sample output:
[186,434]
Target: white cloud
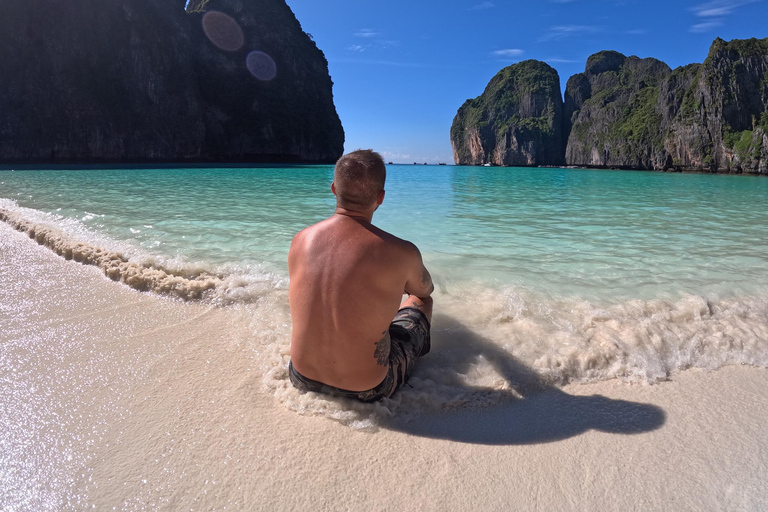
[389,155]
[637,32]
[558,60]
[482,6]
[715,13]
[366,32]
[562,31]
[705,27]
[510,52]
[356,48]
[719,8]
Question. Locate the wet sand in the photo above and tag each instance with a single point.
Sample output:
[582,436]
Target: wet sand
[115,398]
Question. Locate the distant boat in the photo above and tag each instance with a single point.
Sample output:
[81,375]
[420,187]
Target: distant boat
[487,165]
[440,163]
[389,163]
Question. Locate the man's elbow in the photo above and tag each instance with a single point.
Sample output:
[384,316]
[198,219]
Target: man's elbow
[426,293]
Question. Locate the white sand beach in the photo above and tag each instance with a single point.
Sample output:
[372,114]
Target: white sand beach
[116,399]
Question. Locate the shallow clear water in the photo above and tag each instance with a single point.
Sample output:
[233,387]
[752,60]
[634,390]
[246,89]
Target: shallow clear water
[578,275]
[600,235]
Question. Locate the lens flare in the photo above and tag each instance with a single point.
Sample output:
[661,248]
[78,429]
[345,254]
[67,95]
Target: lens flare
[223,31]
[261,65]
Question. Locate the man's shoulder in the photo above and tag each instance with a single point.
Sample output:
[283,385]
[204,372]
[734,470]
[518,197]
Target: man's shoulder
[309,230]
[397,243]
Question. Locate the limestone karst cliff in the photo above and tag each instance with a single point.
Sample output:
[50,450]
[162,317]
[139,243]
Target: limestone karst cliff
[143,81]
[632,113]
[516,121]
[611,112]
[718,112]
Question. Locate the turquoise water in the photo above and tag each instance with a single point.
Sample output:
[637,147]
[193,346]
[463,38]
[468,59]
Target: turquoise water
[600,235]
[581,275]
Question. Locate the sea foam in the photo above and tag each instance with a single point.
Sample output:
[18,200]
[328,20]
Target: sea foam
[140,271]
[495,345]
[491,343]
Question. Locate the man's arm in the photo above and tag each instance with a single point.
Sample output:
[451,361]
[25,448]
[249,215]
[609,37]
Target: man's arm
[419,281]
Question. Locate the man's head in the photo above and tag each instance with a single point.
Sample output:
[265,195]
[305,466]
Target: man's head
[358,180]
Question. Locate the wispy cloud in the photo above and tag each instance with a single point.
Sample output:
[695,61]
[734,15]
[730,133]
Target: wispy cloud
[719,8]
[482,6]
[366,32]
[389,155]
[563,31]
[387,43]
[374,40]
[558,60]
[705,27]
[637,32]
[715,12]
[509,52]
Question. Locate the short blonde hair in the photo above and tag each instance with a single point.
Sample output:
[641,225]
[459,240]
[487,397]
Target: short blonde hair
[359,177]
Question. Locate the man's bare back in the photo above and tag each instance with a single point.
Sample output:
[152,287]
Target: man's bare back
[347,279]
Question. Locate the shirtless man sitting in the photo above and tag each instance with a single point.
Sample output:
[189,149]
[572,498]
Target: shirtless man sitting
[347,279]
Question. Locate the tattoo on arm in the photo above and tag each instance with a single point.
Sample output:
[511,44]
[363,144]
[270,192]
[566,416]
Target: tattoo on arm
[382,350]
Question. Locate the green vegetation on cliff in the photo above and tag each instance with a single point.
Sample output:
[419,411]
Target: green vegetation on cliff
[619,118]
[626,112]
[738,48]
[641,120]
[519,114]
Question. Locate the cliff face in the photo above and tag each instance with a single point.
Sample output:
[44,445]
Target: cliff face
[271,98]
[94,80]
[719,112]
[612,112]
[138,81]
[639,114]
[516,121]
[633,113]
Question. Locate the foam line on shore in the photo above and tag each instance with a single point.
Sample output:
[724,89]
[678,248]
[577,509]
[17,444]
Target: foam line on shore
[491,342]
[115,265]
[507,343]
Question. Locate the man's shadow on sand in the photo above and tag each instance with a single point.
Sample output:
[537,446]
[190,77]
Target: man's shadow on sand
[543,414]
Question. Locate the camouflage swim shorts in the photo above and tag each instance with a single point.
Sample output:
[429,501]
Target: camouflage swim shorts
[409,332]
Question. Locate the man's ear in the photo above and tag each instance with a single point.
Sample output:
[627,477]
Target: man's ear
[333,188]
[380,197]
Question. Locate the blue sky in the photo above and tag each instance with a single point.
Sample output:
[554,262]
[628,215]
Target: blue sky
[401,69]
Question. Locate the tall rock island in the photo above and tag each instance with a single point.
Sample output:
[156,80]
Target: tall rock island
[631,113]
[516,121]
[148,81]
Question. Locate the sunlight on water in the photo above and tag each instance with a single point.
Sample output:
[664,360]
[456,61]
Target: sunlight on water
[578,275]
[569,233]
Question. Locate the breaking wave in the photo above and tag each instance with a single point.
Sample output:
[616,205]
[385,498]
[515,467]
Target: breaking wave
[143,272]
[491,343]
[504,344]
